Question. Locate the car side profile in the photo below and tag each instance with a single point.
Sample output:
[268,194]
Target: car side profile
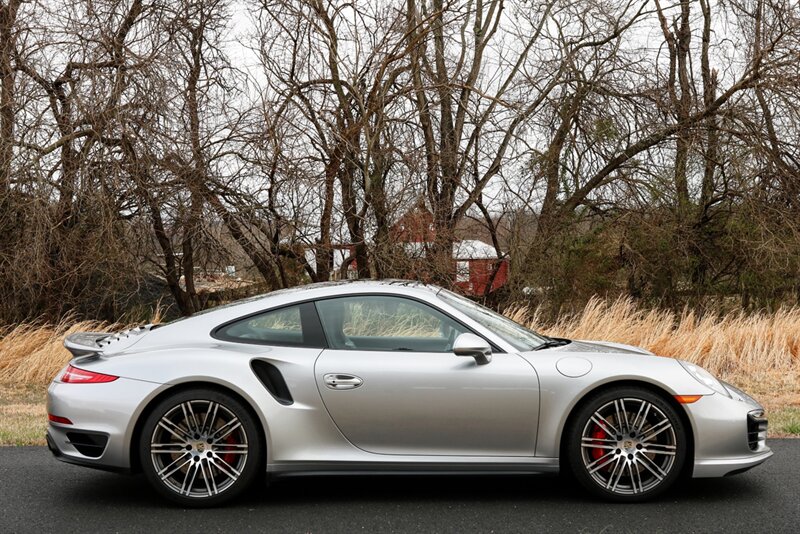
[390,377]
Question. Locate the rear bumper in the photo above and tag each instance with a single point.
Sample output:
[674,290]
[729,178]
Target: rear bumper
[103,418]
[79,461]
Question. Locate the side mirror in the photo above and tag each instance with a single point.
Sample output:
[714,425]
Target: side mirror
[474,347]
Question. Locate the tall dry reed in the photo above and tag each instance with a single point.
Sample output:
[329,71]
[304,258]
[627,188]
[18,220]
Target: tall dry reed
[33,353]
[737,346]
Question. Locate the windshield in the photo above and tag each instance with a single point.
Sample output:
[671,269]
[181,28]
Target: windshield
[515,334]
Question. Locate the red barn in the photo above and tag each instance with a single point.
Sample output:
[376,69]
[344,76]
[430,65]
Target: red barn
[415,226]
[478,269]
[476,266]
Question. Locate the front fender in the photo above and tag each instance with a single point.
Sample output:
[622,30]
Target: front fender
[560,394]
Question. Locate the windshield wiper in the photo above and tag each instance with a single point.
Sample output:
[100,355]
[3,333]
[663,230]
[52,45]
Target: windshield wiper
[553,342]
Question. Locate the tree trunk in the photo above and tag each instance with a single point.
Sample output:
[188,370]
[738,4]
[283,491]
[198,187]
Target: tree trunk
[8,19]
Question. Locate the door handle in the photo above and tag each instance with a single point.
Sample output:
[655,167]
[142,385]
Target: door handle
[342,381]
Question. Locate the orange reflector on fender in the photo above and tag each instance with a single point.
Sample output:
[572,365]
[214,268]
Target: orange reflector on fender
[687,399]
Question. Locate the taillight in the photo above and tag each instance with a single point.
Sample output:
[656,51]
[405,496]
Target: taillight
[58,419]
[73,375]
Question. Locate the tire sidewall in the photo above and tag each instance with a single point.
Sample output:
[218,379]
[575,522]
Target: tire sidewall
[255,441]
[582,416]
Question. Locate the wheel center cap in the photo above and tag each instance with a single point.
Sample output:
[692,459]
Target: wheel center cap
[628,444]
[200,446]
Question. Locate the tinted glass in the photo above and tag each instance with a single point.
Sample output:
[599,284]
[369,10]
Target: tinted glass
[386,323]
[279,327]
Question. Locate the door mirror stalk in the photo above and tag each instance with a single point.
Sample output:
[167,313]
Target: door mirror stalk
[474,347]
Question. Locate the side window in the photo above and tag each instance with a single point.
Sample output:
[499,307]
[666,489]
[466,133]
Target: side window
[283,326]
[386,323]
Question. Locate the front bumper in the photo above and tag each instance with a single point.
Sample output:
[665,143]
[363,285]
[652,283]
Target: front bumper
[103,418]
[717,467]
[730,434]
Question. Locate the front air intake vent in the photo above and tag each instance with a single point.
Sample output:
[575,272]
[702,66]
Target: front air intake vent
[271,377]
[756,429]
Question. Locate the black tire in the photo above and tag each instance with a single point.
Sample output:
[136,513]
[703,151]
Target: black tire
[208,461]
[641,460]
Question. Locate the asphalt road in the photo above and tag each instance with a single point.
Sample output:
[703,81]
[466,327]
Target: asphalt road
[40,494]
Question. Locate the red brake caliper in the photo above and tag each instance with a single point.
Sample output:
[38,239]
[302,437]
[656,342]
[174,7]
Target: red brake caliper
[597,433]
[230,458]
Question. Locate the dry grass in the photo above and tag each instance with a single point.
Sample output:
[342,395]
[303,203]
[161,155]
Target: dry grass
[33,353]
[742,348]
[760,353]
[23,416]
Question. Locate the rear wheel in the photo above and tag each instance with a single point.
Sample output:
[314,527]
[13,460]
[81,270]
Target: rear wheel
[200,447]
[626,444]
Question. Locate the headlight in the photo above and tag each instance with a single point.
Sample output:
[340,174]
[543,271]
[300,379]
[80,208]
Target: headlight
[705,378]
[744,397]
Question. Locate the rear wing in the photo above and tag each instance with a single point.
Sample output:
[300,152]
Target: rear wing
[84,343]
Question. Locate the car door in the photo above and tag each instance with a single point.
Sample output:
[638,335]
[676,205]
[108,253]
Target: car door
[392,384]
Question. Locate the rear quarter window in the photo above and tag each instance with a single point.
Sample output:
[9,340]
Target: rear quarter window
[283,326]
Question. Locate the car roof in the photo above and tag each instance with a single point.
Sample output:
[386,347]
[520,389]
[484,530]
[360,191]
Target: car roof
[317,290]
[347,286]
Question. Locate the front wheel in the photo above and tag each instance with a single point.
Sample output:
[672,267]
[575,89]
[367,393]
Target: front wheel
[626,444]
[200,447]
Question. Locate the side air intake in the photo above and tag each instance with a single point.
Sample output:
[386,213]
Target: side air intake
[271,377]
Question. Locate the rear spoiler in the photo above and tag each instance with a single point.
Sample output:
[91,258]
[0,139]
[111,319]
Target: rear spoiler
[84,343]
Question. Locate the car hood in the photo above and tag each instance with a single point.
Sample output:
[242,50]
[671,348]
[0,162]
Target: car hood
[578,345]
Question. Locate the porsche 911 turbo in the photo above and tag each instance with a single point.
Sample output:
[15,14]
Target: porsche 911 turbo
[388,377]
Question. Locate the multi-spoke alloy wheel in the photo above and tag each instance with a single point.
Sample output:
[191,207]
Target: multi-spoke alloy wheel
[627,444]
[200,447]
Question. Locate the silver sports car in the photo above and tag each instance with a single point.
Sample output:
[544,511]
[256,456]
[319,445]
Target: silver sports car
[389,377]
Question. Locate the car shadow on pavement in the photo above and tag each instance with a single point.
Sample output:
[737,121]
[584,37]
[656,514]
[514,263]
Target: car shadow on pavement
[134,491]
